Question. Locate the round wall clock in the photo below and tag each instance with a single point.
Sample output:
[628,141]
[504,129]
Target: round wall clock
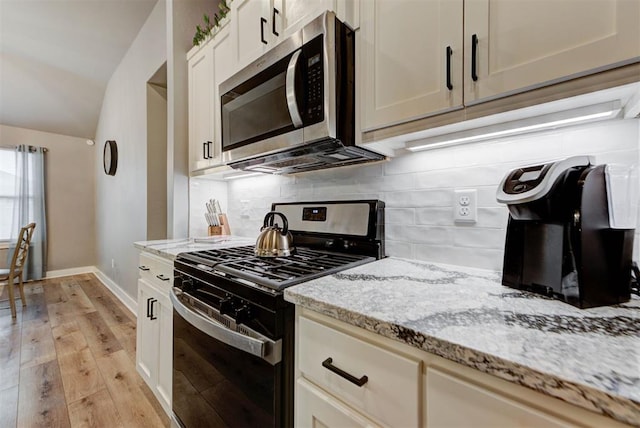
[110,157]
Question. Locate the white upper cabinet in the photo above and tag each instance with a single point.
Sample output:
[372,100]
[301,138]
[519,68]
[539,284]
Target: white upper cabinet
[251,22]
[527,43]
[209,66]
[200,108]
[410,59]
[497,48]
[258,25]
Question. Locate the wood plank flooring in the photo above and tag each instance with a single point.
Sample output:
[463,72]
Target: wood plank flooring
[68,360]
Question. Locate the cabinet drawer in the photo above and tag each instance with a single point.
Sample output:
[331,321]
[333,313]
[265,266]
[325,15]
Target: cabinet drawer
[455,402]
[156,269]
[392,388]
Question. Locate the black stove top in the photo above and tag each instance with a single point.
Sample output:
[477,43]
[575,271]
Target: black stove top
[276,273]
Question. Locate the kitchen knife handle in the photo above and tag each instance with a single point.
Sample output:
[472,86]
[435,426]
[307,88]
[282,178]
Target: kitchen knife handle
[262,22]
[449,53]
[351,378]
[474,57]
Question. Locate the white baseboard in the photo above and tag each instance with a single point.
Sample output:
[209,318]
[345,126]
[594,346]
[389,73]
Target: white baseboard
[69,272]
[126,300]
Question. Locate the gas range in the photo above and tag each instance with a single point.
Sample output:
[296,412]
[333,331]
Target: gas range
[276,273]
[236,299]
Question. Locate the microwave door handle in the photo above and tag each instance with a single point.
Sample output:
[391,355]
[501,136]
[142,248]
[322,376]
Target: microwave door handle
[291,90]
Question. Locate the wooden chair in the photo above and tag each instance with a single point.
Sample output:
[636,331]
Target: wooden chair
[16,268]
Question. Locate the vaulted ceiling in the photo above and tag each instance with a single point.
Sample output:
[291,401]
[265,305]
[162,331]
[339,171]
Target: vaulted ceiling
[56,58]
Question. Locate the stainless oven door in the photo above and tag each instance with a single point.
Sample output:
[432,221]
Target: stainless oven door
[221,377]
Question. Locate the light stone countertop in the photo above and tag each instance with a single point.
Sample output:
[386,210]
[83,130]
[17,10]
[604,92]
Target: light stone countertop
[587,357]
[170,248]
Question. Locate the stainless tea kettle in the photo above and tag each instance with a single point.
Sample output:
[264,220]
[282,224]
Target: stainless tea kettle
[274,241]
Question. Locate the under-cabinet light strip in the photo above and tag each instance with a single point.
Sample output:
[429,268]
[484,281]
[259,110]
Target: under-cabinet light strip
[547,121]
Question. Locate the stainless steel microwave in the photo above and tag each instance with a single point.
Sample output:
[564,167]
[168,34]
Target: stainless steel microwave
[293,109]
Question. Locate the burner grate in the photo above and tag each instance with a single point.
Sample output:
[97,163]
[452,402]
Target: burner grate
[274,272]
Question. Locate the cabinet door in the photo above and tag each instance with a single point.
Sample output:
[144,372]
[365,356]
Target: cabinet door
[411,59]
[453,402]
[317,409]
[164,312]
[146,335]
[291,15]
[527,43]
[251,21]
[201,98]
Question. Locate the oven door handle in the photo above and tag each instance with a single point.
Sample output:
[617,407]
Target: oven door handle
[292,102]
[266,349]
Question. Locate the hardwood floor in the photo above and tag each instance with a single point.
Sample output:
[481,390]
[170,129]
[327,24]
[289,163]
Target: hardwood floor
[68,360]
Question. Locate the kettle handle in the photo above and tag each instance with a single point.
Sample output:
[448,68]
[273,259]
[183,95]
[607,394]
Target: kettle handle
[270,216]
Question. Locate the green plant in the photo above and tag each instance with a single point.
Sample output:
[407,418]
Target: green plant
[203,32]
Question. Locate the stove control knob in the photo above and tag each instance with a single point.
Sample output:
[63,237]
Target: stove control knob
[186,284]
[242,314]
[226,305]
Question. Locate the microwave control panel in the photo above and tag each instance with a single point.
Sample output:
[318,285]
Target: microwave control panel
[314,73]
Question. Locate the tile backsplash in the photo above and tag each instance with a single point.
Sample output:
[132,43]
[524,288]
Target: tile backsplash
[418,190]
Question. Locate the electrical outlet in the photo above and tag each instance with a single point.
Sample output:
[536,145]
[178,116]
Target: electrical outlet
[465,206]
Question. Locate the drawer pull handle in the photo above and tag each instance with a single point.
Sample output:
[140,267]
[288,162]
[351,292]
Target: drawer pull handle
[162,277]
[143,268]
[351,378]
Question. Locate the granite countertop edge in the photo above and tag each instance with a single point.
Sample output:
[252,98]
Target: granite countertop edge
[620,408]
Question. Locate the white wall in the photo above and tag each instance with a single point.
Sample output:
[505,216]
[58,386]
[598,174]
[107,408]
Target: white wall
[121,199]
[418,190]
[70,199]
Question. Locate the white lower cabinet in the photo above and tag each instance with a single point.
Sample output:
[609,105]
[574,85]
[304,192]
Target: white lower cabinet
[453,402]
[318,409]
[154,347]
[380,384]
[407,387]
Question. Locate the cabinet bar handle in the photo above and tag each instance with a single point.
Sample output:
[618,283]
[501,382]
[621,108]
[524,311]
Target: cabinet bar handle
[208,144]
[204,150]
[449,52]
[161,277]
[153,317]
[262,22]
[351,378]
[474,56]
[273,29]
[148,307]
[143,267]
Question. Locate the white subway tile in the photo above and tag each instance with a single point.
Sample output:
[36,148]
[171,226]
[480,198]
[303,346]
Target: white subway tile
[399,215]
[419,198]
[473,257]
[419,234]
[438,216]
[493,217]
[478,238]
[398,249]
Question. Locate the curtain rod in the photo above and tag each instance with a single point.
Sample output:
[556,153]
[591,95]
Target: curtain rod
[14,147]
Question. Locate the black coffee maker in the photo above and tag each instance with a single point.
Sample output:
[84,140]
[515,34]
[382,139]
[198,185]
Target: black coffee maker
[560,241]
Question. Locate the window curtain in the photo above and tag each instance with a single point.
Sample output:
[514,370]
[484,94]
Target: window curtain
[30,207]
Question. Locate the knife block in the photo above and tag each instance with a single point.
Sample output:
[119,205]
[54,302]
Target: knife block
[215,230]
[224,224]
